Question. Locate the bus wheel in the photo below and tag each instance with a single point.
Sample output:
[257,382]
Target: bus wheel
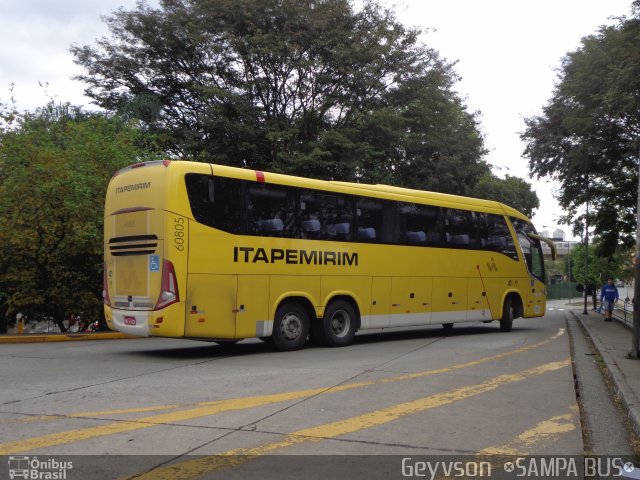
[508,312]
[338,324]
[290,327]
[447,326]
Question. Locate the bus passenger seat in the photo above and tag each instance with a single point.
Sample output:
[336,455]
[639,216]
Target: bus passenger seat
[311,226]
[272,225]
[432,238]
[460,239]
[366,233]
[340,230]
[496,241]
[416,237]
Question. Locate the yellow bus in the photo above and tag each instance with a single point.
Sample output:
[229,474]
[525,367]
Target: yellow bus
[217,253]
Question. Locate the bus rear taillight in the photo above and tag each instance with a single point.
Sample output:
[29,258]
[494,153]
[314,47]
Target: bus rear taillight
[105,287]
[169,292]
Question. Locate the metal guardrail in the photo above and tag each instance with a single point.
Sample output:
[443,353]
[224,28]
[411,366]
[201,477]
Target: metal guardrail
[624,314]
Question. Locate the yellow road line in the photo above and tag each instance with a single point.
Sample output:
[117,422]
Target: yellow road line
[204,409]
[543,433]
[91,414]
[71,436]
[195,468]
[530,441]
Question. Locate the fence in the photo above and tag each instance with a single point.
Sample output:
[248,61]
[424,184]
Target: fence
[624,313]
[562,290]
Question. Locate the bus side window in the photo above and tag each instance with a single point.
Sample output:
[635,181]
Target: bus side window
[459,228]
[271,210]
[215,201]
[499,237]
[326,216]
[421,224]
[370,214]
[227,205]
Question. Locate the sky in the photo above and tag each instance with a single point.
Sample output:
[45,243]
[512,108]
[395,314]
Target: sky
[507,53]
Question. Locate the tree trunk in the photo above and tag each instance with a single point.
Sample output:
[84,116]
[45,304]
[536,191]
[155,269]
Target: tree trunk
[59,321]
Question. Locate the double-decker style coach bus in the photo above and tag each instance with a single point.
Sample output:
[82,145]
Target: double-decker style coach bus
[210,252]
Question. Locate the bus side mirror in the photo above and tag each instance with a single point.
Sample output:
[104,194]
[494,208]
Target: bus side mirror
[580,288]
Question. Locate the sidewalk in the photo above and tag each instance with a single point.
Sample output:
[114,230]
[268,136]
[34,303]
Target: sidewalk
[61,337]
[613,342]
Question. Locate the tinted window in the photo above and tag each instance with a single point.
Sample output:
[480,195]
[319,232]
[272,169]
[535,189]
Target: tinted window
[522,226]
[422,225]
[459,229]
[271,210]
[531,248]
[495,235]
[326,216]
[532,254]
[215,201]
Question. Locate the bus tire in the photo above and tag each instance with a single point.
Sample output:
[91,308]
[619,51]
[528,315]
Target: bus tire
[290,327]
[339,324]
[508,313]
[447,326]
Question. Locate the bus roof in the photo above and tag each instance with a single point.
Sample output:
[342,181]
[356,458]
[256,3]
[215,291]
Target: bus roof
[379,190]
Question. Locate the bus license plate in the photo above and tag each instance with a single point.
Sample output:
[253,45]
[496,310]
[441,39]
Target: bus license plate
[129,320]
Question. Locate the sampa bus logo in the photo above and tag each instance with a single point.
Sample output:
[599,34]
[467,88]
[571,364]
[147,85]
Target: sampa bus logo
[32,468]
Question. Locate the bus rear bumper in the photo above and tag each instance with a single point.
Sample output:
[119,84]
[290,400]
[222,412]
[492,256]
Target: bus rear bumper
[129,322]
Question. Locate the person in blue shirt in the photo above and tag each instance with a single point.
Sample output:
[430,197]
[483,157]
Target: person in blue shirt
[608,296]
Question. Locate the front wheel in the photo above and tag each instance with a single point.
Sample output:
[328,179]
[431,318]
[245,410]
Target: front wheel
[508,312]
[339,324]
[290,327]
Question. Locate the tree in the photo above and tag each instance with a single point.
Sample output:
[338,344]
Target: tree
[512,191]
[55,164]
[309,87]
[588,137]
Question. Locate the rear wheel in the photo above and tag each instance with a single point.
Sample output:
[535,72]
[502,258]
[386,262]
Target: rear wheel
[447,326]
[508,313]
[290,327]
[338,324]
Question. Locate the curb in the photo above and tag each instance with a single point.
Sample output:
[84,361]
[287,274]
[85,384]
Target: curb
[62,337]
[621,387]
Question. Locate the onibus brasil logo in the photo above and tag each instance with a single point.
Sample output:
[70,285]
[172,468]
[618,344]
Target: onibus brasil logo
[34,469]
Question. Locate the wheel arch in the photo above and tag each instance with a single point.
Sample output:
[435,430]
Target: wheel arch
[516,301]
[295,297]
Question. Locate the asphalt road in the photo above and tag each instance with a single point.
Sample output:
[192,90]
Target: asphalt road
[409,394]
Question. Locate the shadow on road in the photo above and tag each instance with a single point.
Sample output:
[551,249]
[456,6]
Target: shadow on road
[190,349]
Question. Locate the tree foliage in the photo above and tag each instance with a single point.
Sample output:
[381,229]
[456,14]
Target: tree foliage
[512,191]
[588,137]
[55,164]
[599,268]
[309,87]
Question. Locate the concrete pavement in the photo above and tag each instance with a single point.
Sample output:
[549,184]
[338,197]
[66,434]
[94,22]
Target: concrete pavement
[612,340]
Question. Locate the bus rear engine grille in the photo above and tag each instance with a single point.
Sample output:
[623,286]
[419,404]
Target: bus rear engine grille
[133,245]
